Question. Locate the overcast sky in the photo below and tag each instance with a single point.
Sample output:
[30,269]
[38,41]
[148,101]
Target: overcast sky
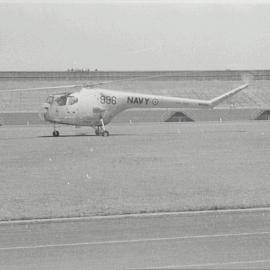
[134,36]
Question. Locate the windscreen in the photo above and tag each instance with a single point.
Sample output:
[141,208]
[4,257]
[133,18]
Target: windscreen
[61,101]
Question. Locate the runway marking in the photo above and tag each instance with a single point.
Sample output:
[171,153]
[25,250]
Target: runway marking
[144,215]
[201,265]
[130,241]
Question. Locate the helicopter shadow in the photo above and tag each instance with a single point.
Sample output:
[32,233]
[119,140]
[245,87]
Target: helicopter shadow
[82,135]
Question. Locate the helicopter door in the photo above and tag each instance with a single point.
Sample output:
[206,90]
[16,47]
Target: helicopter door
[72,109]
[60,106]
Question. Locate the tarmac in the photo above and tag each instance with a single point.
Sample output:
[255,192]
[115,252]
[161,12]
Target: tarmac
[161,169]
[238,239]
[140,168]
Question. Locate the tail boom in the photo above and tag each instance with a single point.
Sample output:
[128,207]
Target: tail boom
[135,100]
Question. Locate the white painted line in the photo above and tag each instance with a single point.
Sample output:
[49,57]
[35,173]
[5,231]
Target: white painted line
[130,241]
[202,265]
[144,215]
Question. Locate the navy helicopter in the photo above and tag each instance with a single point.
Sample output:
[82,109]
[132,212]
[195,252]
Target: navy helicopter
[96,107]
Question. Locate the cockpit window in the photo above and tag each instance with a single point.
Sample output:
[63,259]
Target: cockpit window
[72,100]
[49,99]
[61,101]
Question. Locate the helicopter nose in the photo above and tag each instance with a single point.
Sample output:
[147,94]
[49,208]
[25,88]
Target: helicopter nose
[43,111]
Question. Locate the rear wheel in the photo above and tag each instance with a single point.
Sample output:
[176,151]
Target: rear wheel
[105,133]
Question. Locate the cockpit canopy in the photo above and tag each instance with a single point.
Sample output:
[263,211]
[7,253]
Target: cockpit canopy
[72,100]
[62,100]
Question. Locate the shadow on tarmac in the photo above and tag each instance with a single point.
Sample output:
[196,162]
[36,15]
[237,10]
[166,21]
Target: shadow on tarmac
[61,136]
[82,135]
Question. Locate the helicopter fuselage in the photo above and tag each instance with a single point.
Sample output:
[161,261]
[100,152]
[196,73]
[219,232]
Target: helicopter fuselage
[87,107]
[97,107]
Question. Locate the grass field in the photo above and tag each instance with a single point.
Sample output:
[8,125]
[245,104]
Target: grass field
[139,168]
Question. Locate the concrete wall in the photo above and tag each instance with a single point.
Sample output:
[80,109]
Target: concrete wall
[136,116]
[100,75]
[27,101]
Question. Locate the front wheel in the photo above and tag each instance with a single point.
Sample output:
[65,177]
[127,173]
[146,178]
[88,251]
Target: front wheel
[55,133]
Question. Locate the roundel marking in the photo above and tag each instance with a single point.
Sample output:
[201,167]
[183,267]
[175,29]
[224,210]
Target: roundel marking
[155,101]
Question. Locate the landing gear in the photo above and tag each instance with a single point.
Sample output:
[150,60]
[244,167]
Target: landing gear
[55,133]
[98,131]
[101,131]
[105,133]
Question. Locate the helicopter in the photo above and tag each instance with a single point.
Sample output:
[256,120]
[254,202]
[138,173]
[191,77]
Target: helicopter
[95,107]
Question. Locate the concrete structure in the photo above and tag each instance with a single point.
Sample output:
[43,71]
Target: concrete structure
[100,75]
[253,103]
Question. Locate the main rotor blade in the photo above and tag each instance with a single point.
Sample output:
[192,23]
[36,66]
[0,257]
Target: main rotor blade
[87,85]
[42,88]
[123,80]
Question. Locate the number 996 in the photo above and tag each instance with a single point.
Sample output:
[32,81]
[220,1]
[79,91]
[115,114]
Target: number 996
[108,100]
